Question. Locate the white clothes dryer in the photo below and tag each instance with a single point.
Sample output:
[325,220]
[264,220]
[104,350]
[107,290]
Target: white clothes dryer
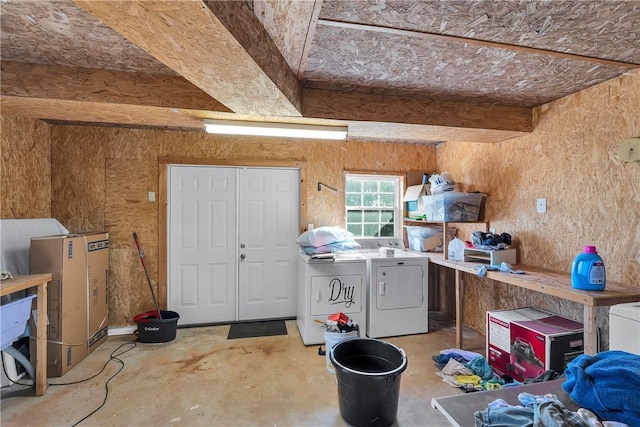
[396,289]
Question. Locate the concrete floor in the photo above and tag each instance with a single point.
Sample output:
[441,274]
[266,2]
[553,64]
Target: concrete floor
[203,379]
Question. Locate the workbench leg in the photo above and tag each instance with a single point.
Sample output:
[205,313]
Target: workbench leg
[41,340]
[590,330]
[459,311]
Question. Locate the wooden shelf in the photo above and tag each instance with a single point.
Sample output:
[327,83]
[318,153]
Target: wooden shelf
[445,234]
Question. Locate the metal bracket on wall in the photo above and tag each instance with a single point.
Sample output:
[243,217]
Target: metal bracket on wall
[322,184]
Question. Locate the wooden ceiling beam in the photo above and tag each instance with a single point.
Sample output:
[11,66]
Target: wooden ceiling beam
[81,84]
[313,23]
[352,106]
[138,116]
[218,46]
[474,42]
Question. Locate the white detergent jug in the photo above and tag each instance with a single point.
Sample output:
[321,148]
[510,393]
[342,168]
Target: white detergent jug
[456,250]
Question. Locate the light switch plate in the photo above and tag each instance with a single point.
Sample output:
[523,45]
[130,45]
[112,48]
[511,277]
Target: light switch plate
[152,196]
[541,205]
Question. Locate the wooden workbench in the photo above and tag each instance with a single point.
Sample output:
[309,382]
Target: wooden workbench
[547,282]
[38,281]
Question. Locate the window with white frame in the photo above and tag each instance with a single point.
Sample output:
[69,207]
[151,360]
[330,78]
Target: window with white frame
[373,207]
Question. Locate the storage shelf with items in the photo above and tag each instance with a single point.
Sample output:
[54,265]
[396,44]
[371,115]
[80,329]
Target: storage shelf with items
[409,223]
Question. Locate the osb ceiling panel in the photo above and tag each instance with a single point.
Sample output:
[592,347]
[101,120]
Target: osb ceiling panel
[61,33]
[321,60]
[603,29]
[362,60]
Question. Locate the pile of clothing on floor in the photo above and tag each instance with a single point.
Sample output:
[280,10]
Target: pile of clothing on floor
[606,387]
[467,370]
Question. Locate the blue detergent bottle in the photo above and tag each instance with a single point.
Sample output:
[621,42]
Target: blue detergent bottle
[588,272]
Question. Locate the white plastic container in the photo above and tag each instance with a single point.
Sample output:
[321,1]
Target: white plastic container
[333,338]
[456,250]
[624,327]
[14,319]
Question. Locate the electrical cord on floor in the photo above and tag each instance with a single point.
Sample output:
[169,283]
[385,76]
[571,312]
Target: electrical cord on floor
[113,356]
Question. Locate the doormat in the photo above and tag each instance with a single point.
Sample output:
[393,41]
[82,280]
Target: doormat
[257,329]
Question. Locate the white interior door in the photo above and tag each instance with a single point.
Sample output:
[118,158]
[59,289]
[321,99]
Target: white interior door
[268,211]
[202,244]
[232,251]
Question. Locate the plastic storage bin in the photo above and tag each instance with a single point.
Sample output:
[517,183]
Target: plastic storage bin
[426,238]
[455,207]
[14,319]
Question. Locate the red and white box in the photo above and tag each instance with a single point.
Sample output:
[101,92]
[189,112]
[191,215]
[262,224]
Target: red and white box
[526,342]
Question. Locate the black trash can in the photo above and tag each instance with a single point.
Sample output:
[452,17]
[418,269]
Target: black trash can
[368,373]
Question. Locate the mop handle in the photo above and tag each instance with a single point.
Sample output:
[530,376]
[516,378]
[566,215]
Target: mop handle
[144,266]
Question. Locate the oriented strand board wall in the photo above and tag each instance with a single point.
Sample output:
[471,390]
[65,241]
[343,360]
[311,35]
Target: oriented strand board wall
[101,177]
[592,197]
[25,172]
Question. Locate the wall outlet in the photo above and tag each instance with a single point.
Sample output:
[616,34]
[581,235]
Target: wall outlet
[152,196]
[541,205]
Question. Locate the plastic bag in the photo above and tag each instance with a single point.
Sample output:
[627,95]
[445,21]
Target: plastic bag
[441,183]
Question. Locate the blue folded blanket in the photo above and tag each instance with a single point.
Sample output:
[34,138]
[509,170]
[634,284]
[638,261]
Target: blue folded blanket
[607,384]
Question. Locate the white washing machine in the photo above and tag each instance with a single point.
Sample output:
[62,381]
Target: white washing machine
[396,289]
[624,327]
[330,286]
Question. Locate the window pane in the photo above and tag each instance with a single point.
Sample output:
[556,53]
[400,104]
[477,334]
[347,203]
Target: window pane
[387,230]
[353,186]
[355,229]
[386,200]
[370,186]
[371,230]
[386,216]
[371,216]
[354,200]
[354,216]
[370,200]
[387,187]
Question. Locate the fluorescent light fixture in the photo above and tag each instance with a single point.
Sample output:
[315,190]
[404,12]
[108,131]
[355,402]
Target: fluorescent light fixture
[291,130]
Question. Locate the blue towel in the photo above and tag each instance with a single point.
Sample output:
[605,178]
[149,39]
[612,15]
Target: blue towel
[607,384]
[480,367]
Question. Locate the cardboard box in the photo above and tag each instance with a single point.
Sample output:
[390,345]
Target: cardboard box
[454,206]
[65,258]
[97,245]
[526,342]
[414,199]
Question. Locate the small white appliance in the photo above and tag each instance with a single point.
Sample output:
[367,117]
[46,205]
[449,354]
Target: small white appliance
[624,327]
[396,288]
[328,286]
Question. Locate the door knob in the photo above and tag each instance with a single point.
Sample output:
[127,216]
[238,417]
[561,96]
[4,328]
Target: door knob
[242,245]
[242,256]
